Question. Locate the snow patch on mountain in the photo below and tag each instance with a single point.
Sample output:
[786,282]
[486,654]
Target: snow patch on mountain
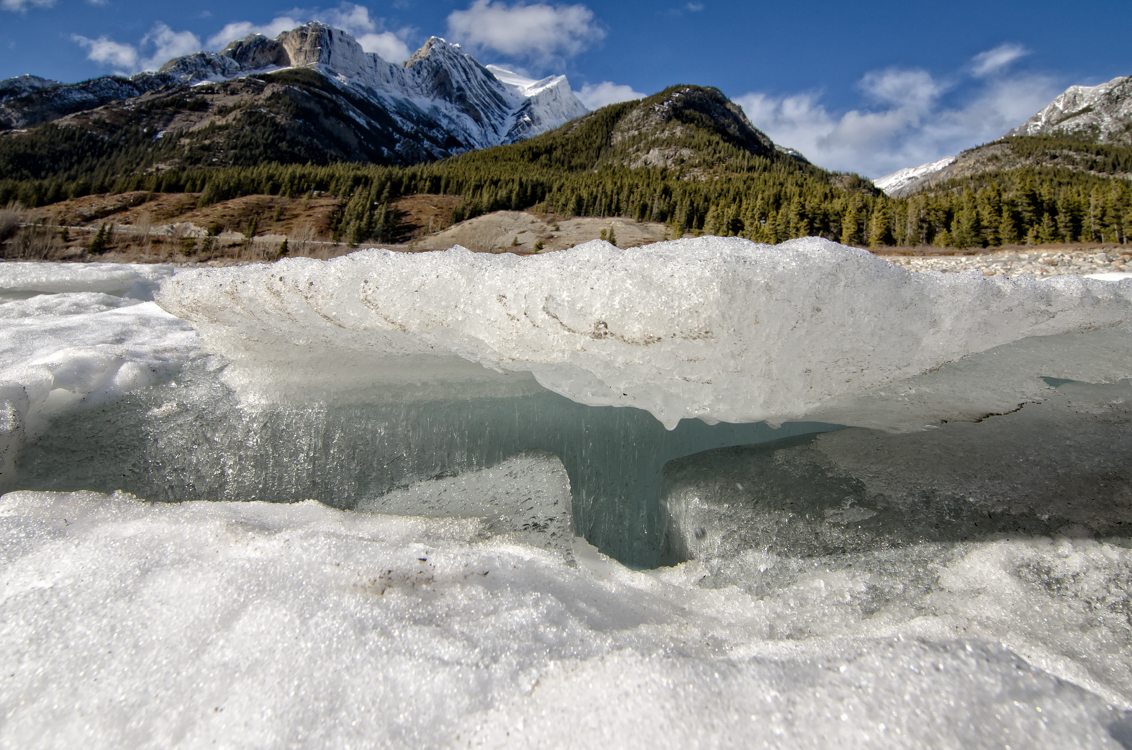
[21,85]
[893,184]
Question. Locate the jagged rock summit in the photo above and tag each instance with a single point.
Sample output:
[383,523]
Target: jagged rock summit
[443,94]
[1099,113]
[473,101]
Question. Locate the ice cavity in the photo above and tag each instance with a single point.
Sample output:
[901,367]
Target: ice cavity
[78,334]
[526,498]
[709,328]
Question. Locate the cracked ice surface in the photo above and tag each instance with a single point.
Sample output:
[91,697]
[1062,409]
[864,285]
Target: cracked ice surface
[718,329]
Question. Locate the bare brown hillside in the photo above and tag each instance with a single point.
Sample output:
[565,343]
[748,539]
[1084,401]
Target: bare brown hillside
[143,226]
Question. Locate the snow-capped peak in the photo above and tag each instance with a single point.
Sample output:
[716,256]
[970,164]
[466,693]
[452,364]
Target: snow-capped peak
[477,105]
[441,93]
[1103,111]
[893,183]
[527,86]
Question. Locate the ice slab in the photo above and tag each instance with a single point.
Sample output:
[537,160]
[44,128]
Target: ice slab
[870,518]
[526,497]
[125,623]
[719,329]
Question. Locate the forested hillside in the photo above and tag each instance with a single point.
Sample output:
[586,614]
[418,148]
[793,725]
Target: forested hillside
[686,157]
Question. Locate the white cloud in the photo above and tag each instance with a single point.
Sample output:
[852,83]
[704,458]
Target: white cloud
[240,29]
[126,59]
[123,58]
[537,32]
[911,125]
[168,44]
[387,45]
[351,18]
[19,6]
[694,7]
[910,89]
[606,92]
[996,60]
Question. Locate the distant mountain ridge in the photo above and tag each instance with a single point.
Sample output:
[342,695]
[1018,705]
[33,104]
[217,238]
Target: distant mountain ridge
[902,179]
[1100,114]
[438,103]
[1080,117]
[689,130]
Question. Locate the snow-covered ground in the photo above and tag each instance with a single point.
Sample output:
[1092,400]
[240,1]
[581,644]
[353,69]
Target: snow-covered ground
[960,578]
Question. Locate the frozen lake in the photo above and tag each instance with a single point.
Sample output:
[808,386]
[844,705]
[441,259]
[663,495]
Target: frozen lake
[705,493]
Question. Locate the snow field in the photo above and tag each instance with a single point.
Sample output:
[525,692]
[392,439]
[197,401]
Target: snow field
[248,624]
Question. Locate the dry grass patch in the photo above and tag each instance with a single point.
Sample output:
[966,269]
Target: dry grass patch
[520,232]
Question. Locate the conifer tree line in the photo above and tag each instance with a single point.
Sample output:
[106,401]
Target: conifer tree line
[1019,207]
[722,190]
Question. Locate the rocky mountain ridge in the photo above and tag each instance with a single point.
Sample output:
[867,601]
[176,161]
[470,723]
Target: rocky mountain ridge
[438,103]
[1100,114]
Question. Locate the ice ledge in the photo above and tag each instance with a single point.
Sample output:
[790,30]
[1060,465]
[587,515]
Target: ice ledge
[720,329]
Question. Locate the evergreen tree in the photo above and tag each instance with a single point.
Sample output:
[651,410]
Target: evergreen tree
[966,228]
[98,245]
[1046,232]
[879,226]
[850,226]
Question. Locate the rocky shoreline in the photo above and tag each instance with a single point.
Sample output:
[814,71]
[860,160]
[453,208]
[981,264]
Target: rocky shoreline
[1032,261]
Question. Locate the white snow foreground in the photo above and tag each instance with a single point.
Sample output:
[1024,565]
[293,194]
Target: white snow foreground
[708,328]
[128,624]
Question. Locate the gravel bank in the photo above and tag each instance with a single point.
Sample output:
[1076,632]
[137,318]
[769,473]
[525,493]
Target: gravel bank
[1018,263]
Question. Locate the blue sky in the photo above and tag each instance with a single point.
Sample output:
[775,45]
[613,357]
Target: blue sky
[868,87]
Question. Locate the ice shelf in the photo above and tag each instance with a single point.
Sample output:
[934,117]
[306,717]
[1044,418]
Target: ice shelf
[719,329]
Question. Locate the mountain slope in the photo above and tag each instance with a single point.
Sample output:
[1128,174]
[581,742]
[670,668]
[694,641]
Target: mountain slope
[1098,114]
[1065,154]
[690,130]
[311,94]
[1087,129]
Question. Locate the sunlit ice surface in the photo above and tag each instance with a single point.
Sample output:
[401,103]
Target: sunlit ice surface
[703,493]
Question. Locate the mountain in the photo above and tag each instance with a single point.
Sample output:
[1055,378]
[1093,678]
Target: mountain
[687,157]
[896,183]
[310,94]
[1086,129]
[27,101]
[690,130]
[1098,114]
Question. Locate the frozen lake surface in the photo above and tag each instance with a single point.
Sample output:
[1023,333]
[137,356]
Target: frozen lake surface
[706,493]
